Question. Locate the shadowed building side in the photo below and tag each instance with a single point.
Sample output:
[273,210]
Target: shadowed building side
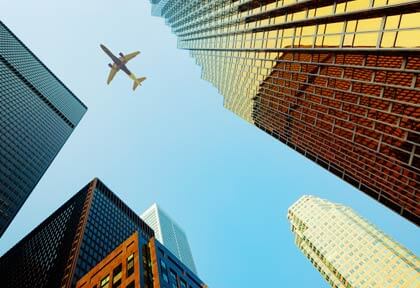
[38,113]
[82,233]
[72,240]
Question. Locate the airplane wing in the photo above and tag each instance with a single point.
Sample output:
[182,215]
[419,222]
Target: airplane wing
[130,56]
[111,75]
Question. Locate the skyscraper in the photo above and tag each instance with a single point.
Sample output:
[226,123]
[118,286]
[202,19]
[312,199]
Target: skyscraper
[134,262]
[335,80]
[72,240]
[37,115]
[347,250]
[170,234]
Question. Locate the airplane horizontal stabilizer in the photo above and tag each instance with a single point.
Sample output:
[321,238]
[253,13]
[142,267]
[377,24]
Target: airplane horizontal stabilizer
[137,82]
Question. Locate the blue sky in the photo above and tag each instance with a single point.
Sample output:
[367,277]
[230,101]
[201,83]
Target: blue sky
[226,182]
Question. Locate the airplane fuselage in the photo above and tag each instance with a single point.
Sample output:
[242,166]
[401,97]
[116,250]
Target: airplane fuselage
[118,64]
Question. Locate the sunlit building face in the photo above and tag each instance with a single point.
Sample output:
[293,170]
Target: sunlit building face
[337,81]
[135,263]
[170,234]
[347,250]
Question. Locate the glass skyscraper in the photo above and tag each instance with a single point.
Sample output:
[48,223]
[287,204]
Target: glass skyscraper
[170,234]
[37,115]
[82,233]
[347,250]
[72,240]
[337,81]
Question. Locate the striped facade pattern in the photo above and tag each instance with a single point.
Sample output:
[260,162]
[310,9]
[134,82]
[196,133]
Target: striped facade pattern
[337,81]
[347,250]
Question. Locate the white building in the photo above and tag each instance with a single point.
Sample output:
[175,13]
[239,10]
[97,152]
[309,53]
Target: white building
[349,251]
[170,234]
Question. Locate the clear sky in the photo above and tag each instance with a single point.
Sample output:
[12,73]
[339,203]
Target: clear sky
[224,181]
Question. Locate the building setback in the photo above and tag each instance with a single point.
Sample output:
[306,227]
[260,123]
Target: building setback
[337,81]
[170,234]
[73,240]
[136,262]
[347,250]
[37,115]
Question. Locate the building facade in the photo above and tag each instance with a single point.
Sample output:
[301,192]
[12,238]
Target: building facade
[136,262]
[37,115]
[347,250]
[170,234]
[72,240]
[337,81]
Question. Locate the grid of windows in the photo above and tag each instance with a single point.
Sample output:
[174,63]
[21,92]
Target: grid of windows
[41,255]
[349,251]
[35,74]
[328,107]
[170,234]
[33,125]
[107,225]
[274,59]
[158,267]
[117,269]
[107,221]
[173,273]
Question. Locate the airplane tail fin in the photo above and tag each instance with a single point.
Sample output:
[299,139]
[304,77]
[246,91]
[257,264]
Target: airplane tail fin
[137,82]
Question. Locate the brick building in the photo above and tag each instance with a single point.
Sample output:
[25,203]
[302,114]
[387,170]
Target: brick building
[78,236]
[135,264]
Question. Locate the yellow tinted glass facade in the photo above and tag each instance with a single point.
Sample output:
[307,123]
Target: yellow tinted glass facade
[337,81]
[349,251]
[237,42]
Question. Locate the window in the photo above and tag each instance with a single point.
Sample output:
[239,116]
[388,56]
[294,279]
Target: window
[130,265]
[173,275]
[165,277]
[183,283]
[116,276]
[131,285]
[162,264]
[174,282]
[105,282]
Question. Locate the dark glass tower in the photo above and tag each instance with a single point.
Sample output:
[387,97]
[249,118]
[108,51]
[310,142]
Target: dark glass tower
[37,115]
[70,242]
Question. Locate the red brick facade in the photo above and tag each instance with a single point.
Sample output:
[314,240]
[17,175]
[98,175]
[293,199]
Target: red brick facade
[356,115]
[137,263]
[103,274]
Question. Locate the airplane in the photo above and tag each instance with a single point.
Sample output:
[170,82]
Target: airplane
[119,64]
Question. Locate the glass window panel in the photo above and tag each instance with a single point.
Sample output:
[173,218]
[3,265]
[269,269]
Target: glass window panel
[366,39]
[409,38]
[392,22]
[388,39]
[410,20]
[369,24]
